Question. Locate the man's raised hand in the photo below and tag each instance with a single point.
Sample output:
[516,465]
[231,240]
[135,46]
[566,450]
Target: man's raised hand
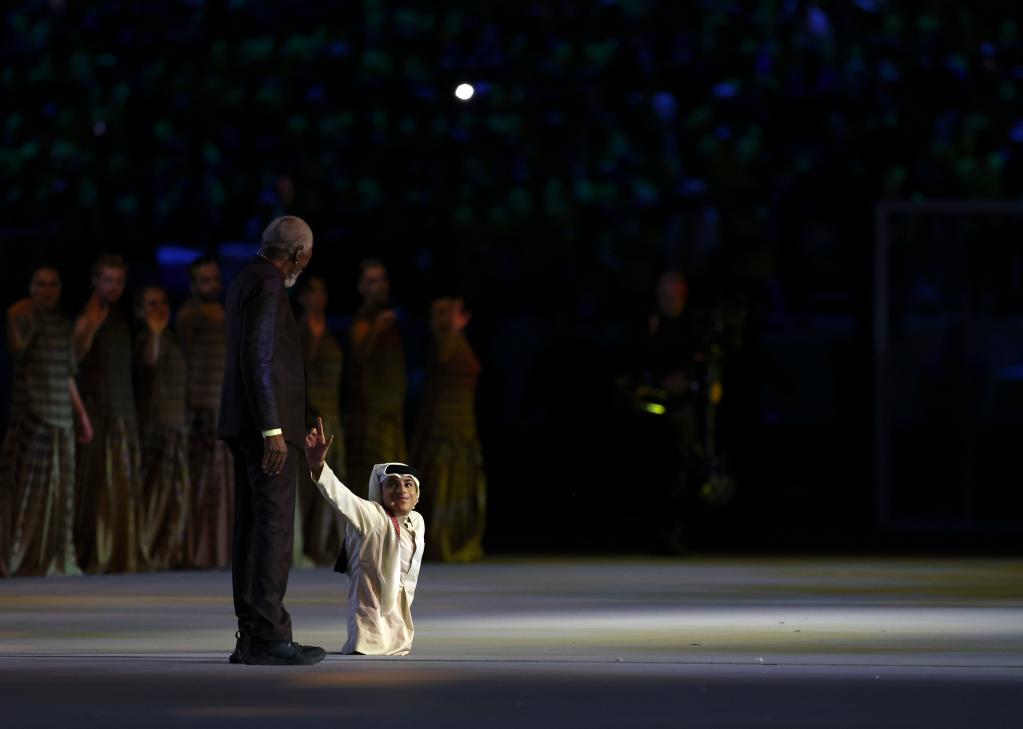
[316,446]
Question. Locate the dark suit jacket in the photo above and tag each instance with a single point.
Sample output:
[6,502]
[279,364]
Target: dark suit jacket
[264,369]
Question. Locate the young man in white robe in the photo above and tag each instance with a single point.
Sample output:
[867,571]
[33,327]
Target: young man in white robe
[383,548]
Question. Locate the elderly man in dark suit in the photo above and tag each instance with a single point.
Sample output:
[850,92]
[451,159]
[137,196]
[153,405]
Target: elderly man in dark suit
[263,419]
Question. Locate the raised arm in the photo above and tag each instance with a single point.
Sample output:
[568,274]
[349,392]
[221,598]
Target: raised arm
[448,339]
[365,334]
[88,324]
[21,326]
[360,513]
[156,325]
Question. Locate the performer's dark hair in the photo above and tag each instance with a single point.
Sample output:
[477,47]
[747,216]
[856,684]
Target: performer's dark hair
[108,260]
[46,267]
[306,280]
[367,263]
[672,274]
[455,294]
[203,260]
[140,295]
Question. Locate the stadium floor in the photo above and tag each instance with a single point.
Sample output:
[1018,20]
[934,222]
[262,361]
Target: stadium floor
[692,642]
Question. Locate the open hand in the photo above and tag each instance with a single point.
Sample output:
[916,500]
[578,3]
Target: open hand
[461,317]
[316,446]
[96,310]
[157,321]
[213,311]
[22,310]
[384,319]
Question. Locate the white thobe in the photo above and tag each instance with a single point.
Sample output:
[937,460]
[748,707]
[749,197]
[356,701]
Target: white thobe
[383,570]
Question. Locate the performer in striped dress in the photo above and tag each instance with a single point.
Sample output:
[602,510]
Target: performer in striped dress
[37,466]
[200,327]
[446,443]
[322,526]
[375,402]
[160,387]
[108,530]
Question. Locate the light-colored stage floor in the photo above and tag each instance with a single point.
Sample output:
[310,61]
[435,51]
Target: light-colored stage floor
[730,642]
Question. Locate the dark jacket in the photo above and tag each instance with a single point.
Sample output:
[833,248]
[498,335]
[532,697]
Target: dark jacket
[264,371]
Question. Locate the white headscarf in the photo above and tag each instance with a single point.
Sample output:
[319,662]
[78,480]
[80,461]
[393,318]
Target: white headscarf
[379,474]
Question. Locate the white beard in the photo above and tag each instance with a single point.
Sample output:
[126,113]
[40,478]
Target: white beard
[290,280]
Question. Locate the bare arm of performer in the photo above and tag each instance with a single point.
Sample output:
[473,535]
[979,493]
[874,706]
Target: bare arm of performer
[157,323]
[21,325]
[449,337]
[365,335]
[82,420]
[258,334]
[88,324]
[359,512]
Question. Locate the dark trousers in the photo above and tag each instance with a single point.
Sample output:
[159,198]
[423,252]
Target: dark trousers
[264,529]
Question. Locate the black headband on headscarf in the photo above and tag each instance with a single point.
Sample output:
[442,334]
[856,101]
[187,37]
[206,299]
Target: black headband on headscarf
[400,469]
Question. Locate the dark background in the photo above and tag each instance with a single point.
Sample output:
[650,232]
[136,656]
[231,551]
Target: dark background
[746,144]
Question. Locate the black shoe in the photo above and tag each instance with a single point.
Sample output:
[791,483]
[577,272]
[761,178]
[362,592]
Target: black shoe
[314,651]
[241,642]
[280,653]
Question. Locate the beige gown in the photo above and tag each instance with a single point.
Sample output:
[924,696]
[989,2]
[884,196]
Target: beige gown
[446,450]
[322,526]
[375,403]
[166,488]
[210,465]
[109,503]
[37,460]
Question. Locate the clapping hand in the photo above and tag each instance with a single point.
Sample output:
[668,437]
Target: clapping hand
[461,317]
[157,321]
[22,311]
[213,311]
[384,319]
[96,311]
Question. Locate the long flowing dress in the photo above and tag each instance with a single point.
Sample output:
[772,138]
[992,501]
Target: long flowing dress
[323,528]
[37,460]
[163,429]
[210,465]
[109,518]
[375,403]
[446,450]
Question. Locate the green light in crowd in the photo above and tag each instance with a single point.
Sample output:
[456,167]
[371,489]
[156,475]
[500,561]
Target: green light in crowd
[655,408]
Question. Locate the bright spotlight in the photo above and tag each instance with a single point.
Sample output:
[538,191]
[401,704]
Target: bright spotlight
[465,91]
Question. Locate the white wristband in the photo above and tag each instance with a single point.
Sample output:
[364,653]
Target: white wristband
[274,431]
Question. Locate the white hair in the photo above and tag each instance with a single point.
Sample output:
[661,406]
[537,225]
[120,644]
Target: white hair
[284,236]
